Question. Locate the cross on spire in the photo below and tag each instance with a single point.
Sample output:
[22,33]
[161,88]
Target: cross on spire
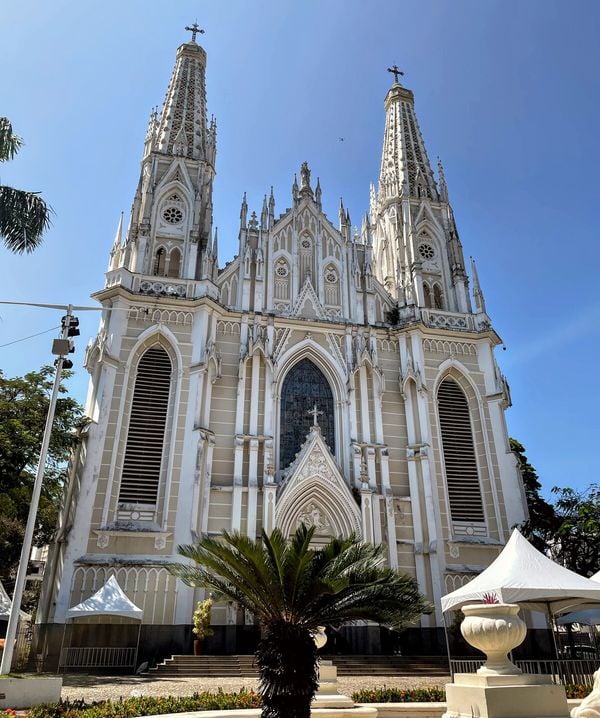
[395,72]
[315,412]
[194,29]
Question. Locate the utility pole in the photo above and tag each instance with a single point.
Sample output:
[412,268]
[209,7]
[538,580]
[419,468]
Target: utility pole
[60,347]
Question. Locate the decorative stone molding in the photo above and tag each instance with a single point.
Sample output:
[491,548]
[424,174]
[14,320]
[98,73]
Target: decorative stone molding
[449,348]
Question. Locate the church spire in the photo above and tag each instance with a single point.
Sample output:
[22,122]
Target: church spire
[405,166]
[477,293]
[182,126]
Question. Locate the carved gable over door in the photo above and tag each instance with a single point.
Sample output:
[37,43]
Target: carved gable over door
[314,493]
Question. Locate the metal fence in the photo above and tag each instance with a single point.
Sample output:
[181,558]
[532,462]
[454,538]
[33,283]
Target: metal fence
[97,657]
[562,671]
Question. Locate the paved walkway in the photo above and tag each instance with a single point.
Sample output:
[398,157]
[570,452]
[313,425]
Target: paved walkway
[99,688]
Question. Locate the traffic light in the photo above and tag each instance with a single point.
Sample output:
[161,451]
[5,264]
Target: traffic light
[65,345]
[70,325]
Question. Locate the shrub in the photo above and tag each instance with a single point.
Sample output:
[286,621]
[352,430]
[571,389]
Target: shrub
[577,690]
[147,705]
[399,695]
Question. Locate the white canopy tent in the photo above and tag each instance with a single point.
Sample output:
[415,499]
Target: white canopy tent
[109,601]
[587,617]
[521,574]
[6,604]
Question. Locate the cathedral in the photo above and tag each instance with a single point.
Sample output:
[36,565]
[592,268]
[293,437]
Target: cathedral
[338,378]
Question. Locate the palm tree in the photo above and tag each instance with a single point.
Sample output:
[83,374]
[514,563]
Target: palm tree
[24,216]
[291,589]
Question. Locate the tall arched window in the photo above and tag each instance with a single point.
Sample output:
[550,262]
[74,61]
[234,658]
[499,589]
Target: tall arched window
[464,490]
[147,424]
[303,388]
[159,262]
[438,300]
[306,258]
[174,263]
[427,295]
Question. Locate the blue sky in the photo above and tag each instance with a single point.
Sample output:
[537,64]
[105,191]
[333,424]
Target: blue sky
[506,92]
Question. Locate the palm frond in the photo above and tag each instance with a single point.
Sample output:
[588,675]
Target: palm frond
[9,142]
[24,217]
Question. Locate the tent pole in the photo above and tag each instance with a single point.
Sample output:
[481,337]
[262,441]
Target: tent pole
[448,648]
[552,628]
[137,647]
[62,645]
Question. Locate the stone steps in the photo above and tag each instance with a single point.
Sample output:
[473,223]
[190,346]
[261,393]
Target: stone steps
[245,667]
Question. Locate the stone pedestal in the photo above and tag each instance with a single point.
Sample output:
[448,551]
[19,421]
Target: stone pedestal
[475,695]
[327,695]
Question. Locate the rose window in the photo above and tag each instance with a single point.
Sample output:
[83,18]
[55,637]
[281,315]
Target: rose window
[172,215]
[426,251]
[305,244]
[331,277]
[281,270]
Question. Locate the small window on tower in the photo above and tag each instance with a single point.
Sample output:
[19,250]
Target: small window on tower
[173,215]
[438,299]
[426,251]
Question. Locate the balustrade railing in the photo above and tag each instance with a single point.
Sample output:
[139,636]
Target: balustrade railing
[97,657]
[564,670]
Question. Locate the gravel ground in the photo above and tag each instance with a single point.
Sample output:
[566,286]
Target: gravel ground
[98,688]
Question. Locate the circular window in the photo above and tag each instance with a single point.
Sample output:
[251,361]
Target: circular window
[305,244]
[426,251]
[281,270]
[331,277]
[172,215]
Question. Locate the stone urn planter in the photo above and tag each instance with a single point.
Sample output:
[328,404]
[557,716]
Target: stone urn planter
[495,629]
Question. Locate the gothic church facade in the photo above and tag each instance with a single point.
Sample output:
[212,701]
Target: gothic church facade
[324,376]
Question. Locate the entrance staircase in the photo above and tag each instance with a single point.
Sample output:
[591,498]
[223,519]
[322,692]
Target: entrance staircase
[245,667]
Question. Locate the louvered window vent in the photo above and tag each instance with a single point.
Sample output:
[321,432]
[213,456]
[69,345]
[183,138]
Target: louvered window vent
[146,436]
[464,491]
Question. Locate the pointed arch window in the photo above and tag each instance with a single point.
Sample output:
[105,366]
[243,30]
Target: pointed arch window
[332,286]
[174,263]
[282,280]
[303,387]
[462,478]
[144,449]
[306,258]
[160,259]
[438,298]
[427,295]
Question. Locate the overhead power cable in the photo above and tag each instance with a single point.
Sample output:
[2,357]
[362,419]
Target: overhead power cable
[31,336]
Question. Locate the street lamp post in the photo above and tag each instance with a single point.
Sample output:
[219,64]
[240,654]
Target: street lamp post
[61,347]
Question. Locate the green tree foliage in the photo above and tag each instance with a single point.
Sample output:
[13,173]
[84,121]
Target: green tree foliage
[577,538]
[23,408]
[24,216]
[291,589]
[542,524]
[568,530]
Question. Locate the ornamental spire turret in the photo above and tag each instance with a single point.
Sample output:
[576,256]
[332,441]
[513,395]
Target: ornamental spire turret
[405,166]
[477,293]
[271,208]
[244,212]
[182,126]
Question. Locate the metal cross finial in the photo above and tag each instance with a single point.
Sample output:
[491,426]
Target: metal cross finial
[395,72]
[194,29]
[315,412]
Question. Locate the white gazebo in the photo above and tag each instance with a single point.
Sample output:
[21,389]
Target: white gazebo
[522,574]
[6,605]
[108,602]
